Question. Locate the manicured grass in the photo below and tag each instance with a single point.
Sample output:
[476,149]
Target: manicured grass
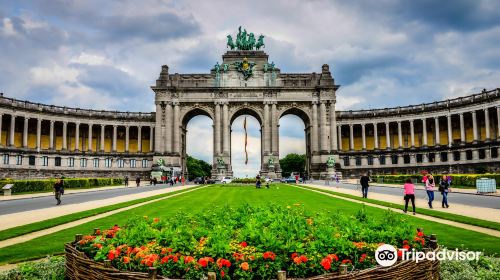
[216,196]
[83,188]
[25,229]
[428,212]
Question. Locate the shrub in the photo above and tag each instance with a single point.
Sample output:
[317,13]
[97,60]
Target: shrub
[249,242]
[42,185]
[244,181]
[49,268]
[458,180]
[487,268]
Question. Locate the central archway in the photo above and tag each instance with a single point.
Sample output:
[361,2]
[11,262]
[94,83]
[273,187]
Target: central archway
[297,130]
[201,121]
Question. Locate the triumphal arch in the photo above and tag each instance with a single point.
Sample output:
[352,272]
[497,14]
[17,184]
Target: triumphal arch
[246,82]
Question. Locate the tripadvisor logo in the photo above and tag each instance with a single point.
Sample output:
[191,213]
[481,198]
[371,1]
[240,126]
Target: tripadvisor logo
[387,255]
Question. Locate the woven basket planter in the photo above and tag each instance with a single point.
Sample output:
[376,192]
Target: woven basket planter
[80,267]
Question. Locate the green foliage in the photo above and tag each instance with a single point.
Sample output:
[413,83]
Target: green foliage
[69,183]
[458,180]
[197,167]
[50,268]
[293,163]
[244,181]
[486,268]
[258,241]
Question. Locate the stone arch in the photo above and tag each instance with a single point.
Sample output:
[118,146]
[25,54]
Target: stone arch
[246,110]
[191,112]
[299,111]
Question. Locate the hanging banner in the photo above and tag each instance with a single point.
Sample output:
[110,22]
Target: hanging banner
[246,139]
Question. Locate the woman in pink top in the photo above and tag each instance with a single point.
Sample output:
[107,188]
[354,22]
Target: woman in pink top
[429,187]
[409,194]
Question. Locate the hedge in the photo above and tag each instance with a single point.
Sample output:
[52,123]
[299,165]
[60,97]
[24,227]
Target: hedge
[69,183]
[457,180]
[244,180]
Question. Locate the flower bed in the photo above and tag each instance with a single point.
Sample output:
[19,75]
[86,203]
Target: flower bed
[247,243]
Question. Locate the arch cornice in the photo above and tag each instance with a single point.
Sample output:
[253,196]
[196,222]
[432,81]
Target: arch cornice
[254,110]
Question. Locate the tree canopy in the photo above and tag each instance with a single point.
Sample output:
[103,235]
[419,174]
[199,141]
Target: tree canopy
[197,168]
[293,163]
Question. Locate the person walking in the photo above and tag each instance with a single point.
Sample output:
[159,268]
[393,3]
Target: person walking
[58,190]
[409,194]
[125,180]
[171,182]
[138,181]
[364,184]
[429,187]
[444,187]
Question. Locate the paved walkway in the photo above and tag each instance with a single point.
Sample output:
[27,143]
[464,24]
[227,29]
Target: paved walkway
[491,232]
[483,213]
[33,235]
[27,217]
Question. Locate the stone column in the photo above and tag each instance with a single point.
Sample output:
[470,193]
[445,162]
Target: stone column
[275,129]
[424,131]
[25,132]
[168,128]
[89,144]
[12,131]
[387,135]
[339,133]
[127,134]
[314,129]
[375,135]
[363,136]
[412,133]
[65,138]
[77,136]
[498,122]
[450,132]
[139,139]
[323,127]
[103,130]
[436,123]
[115,128]
[51,135]
[462,129]
[487,123]
[225,129]
[38,134]
[474,126]
[152,133]
[333,127]
[400,135]
[217,141]
[176,135]
[1,117]
[351,137]
[266,130]
[158,136]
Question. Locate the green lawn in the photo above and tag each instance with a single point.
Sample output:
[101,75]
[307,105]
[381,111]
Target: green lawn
[428,212]
[207,198]
[25,229]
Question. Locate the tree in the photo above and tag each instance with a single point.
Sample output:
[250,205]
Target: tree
[197,168]
[293,163]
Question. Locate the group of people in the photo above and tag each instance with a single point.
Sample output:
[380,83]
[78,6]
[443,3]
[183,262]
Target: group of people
[137,181]
[409,189]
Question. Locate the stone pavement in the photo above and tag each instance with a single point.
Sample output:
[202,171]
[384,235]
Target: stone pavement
[421,202]
[418,186]
[28,217]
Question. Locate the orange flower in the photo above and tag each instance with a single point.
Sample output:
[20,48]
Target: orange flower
[347,261]
[188,259]
[126,259]
[326,263]
[111,255]
[333,257]
[269,255]
[156,220]
[223,262]
[297,260]
[303,258]
[245,266]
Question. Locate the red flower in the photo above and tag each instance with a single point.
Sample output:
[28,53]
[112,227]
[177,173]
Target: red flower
[400,253]
[347,261]
[294,255]
[111,255]
[203,262]
[223,262]
[269,255]
[222,273]
[326,263]
[243,244]
[245,266]
[333,257]
[150,259]
[297,260]
[188,259]
[420,234]
[126,259]
[405,241]
[164,260]
[163,251]
[98,232]
[362,258]
[406,247]
[173,258]
[303,258]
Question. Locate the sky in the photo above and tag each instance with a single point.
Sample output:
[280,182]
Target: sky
[383,53]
